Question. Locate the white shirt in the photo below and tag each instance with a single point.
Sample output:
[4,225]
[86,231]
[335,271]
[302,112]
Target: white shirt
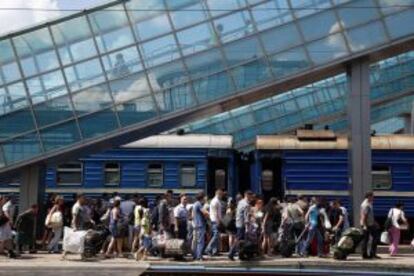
[8,208]
[215,210]
[127,207]
[396,214]
[181,212]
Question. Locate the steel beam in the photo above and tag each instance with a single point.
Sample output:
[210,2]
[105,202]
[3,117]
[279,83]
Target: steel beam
[359,124]
[32,187]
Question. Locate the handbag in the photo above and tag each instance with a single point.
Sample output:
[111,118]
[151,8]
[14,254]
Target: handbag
[385,237]
[3,219]
[56,220]
[388,221]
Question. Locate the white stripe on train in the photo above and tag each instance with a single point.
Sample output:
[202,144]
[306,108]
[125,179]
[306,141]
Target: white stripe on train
[108,190]
[346,193]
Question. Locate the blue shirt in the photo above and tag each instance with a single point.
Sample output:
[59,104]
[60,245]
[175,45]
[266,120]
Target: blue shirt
[242,212]
[198,216]
[314,215]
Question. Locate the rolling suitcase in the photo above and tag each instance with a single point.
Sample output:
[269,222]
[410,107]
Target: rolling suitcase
[175,248]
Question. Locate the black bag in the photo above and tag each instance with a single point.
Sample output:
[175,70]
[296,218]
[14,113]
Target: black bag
[248,250]
[348,242]
[229,223]
[3,219]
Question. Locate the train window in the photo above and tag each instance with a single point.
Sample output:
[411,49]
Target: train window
[381,178]
[155,175]
[220,179]
[188,175]
[112,174]
[69,174]
[267,180]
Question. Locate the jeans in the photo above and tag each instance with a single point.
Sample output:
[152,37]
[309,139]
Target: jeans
[239,236]
[371,231]
[190,240]
[213,245]
[199,236]
[313,230]
[54,243]
[395,240]
[182,230]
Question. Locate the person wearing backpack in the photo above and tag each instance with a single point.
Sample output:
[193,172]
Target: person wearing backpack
[397,222]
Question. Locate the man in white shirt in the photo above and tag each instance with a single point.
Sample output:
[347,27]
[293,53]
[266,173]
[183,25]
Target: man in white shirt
[215,217]
[181,218]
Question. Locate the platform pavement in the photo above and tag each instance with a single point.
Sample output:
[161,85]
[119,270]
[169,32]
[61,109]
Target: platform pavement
[49,264]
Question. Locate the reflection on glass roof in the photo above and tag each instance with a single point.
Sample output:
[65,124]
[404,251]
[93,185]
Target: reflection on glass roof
[125,63]
[318,101]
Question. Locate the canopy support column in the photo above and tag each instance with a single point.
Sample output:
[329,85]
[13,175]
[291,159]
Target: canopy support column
[359,122]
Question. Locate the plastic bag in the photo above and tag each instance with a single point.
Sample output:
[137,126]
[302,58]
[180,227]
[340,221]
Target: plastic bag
[56,220]
[385,237]
[73,241]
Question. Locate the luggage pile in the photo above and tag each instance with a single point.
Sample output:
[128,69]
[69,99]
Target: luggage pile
[348,242]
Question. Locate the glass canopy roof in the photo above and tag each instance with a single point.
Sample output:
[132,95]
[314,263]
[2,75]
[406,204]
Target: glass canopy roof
[130,64]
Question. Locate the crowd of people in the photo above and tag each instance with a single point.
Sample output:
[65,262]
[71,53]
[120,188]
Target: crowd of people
[209,227]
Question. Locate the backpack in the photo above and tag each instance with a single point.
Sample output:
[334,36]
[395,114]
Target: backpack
[154,217]
[3,219]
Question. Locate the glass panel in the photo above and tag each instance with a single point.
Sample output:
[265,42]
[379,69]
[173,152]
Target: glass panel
[234,26]
[242,51]
[36,52]
[197,39]
[128,88]
[74,45]
[155,175]
[272,13]
[168,75]
[56,110]
[351,15]
[46,87]
[250,74]
[69,174]
[159,51]
[188,175]
[289,62]
[15,123]
[400,24]
[327,49]
[218,7]
[205,63]
[84,74]
[122,63]
[388,6]
[147,14]
[21,148]
[306,7]
[92,99]
[2,161]
[136,111]
[111,28]
[313,29]
[98,124]
[187,14]
[176,98]
[112,174]
[60,136]
[13,97]
[8,67]
[213,87]
[281,38]
[366,36]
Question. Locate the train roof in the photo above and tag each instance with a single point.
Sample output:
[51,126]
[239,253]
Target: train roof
[306,139]
[184,141]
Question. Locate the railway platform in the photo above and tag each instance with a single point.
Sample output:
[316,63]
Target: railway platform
[48,265]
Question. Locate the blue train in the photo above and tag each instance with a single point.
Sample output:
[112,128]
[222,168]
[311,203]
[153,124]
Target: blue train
[315,163]
[311,163]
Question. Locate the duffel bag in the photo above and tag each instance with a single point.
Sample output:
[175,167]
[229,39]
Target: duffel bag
[175,248]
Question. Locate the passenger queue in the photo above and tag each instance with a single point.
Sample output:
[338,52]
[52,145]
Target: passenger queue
[198,227]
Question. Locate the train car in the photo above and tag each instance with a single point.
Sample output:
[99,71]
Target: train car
[183,163]
[315,163]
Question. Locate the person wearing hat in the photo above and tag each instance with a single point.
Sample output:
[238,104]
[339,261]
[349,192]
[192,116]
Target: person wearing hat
[54,220]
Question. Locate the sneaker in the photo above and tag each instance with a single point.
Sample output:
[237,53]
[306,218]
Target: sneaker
[376,257]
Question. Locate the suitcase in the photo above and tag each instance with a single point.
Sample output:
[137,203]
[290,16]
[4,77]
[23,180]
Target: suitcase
[248,250]
[348,243]
[175,248]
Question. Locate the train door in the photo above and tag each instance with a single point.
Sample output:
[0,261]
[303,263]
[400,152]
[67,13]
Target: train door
[271,183]
[217,175]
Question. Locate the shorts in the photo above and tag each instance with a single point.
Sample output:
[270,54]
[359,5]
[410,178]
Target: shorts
[146,242]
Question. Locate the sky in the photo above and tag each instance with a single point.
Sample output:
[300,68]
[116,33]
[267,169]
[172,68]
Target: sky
[13,20]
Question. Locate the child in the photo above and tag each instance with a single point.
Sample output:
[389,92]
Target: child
[145,234]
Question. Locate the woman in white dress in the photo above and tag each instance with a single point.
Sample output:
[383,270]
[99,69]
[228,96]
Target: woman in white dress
[6,236]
